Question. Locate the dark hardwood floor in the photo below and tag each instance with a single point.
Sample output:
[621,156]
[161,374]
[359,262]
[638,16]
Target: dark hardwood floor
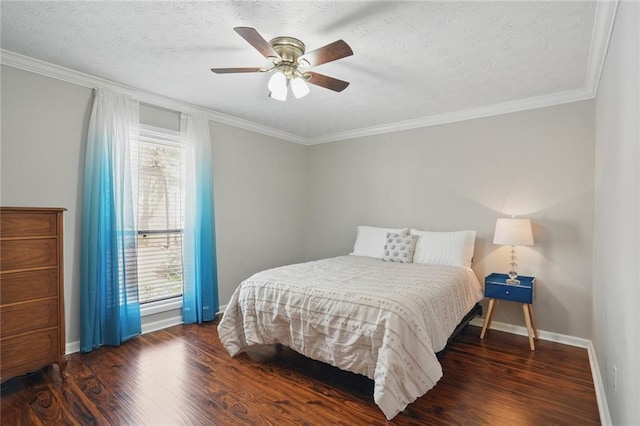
[183,375]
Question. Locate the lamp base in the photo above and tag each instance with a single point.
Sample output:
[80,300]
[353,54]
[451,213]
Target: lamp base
[513,281]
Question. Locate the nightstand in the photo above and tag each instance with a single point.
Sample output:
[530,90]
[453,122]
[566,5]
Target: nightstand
[496,287]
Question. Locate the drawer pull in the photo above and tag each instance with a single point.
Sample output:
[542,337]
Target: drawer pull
[506,292]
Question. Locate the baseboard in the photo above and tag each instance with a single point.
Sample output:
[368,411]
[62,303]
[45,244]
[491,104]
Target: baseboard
[222,309]
[73,347]
[160,324]
[601,398]
[542,334]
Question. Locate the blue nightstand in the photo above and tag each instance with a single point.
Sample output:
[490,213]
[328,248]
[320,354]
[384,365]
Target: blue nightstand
[496,287]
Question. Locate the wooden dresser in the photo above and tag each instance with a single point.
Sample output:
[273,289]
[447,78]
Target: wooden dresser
[31,290]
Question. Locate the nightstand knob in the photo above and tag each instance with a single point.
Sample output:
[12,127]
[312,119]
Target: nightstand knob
[506,292]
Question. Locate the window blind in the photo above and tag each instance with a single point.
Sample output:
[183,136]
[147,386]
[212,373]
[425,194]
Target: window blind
[161,185]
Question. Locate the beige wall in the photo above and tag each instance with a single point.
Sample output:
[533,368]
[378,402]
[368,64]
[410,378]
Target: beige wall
[260,195]
[278,202]
[259,181]
[44,125]
[616,266]
[536,164]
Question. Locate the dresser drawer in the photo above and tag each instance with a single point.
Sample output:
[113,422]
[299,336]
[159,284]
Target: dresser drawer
[28,352]
[29,316]
[24,254]
[514,293]
[19,224]
[23,286]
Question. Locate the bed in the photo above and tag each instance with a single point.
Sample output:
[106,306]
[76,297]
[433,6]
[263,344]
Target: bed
[384,320]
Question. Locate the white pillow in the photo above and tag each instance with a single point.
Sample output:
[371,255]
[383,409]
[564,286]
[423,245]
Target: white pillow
[370,240]
[444,248]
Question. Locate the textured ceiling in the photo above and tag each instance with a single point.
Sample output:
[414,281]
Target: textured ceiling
[411,59]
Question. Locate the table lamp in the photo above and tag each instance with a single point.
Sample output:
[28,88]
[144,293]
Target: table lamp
[513,232]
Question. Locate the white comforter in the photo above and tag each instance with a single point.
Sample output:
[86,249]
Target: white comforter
[382,320]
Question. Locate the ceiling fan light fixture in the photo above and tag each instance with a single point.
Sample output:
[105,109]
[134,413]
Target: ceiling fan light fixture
[278,86]
[299,87]
[287,54]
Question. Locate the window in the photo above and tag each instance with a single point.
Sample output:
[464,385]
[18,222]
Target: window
[161,197]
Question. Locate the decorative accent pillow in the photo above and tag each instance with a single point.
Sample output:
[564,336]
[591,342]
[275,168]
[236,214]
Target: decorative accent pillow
[399,248]
[370,240]
[444,248]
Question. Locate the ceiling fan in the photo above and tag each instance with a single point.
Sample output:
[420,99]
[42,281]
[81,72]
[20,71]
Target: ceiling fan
[289,60]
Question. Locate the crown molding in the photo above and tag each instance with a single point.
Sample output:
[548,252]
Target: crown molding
[602,29]
[57,72]
[600,39]
[463,115]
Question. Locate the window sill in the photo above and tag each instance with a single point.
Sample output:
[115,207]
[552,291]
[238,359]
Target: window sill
[160,306]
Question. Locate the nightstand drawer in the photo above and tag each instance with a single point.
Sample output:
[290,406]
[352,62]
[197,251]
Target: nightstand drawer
[514,293]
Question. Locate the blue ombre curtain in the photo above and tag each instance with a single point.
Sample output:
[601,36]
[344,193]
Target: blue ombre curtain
[109,310]
[200,292]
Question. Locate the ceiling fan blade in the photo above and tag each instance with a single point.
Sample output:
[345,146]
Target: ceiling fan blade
[331,52]
[254,38]
[327,82]
[236,70]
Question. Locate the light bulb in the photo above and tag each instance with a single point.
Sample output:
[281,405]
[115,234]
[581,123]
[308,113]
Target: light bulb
[278,86]
[299,87]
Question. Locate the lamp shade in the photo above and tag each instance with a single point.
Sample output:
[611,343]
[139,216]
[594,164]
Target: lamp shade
[513,232]
[299,87]
[278,86]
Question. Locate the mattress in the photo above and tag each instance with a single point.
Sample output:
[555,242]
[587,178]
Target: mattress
[379,319]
